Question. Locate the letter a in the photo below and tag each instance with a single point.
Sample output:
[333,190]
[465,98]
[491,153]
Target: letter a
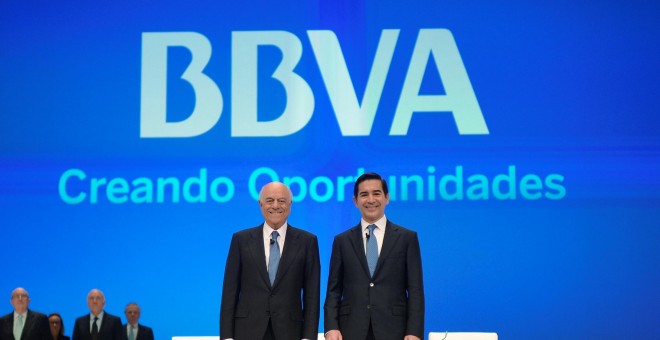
[459,99]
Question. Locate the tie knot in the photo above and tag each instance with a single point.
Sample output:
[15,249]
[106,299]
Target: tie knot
[371,227]
[274,235]
[96,318]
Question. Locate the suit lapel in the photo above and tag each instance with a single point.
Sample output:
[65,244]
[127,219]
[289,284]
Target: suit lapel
[104,323]
[357,241]
[258,252]
[27,324]
[85,324]
[290,251]
[389,240]
[87,327]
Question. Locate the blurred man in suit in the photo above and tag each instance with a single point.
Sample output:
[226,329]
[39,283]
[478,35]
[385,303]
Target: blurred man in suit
[133,330]
[264,297]
[98,324]
[23,323]
[375,288]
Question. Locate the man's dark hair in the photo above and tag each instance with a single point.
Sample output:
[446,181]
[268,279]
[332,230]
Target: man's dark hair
[369,175]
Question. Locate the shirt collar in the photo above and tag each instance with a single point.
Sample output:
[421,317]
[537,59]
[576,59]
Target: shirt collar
[100,315]
[381,223]
[281,231]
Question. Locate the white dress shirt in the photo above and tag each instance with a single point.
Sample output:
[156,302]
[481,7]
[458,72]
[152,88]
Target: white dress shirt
[379,232]
[128,329]
[98,323]
[280,240]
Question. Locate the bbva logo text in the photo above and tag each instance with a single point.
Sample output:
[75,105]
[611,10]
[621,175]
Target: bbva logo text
[354,117]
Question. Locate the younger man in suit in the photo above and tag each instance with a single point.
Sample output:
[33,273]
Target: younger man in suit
[98,325]
[23,324]
[133,330]
[375,288]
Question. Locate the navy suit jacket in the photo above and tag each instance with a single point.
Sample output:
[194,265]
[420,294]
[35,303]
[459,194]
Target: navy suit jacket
[36,327]
[392,301]
[143,333]
[249,301]
[110,328]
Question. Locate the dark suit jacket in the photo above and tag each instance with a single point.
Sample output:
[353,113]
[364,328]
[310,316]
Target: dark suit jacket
[36,327]
[143,332]
[249,301]
[110,328]
[392,301]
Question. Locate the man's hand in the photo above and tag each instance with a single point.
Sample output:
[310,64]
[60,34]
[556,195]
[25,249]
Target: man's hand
[409,337]
[333,335]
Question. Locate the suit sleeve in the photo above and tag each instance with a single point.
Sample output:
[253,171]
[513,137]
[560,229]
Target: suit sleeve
[150,333]
[311,290]
[415,288]
[335,290]
[76,332]
[43,328]
[117,329]
[230,289]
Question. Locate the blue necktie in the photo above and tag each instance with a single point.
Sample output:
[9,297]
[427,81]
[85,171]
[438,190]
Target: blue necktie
[131,333]
[372,249]
[274,259]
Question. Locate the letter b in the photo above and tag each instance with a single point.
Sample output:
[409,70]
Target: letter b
[153,106]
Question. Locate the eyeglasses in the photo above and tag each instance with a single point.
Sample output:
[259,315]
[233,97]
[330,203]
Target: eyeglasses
[19,296]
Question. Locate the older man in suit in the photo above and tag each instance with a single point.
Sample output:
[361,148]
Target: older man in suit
[134,330]
[98,324]
[23,323]
[375,288]
[272,277]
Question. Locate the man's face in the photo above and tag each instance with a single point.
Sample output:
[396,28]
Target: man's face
[20,300]
[275,203]
[132,314]
[371,200]
[95,301]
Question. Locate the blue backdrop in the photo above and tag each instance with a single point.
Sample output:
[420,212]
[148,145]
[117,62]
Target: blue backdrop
[520,141]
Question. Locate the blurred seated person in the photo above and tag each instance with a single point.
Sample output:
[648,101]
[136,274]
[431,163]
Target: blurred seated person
[57,327]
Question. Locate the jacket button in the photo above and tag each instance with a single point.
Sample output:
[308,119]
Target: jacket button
[371,284]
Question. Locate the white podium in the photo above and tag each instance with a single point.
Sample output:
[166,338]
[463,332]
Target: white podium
[320,337]
[462,336]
